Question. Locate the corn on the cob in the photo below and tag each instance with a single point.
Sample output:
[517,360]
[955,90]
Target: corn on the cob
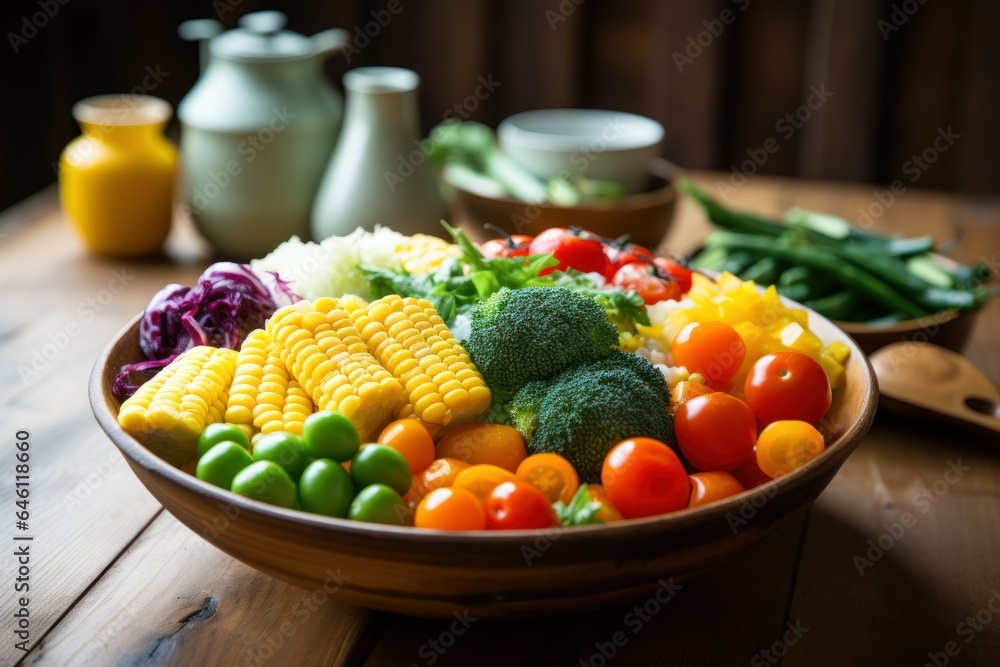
[323,351]
[263,398]
[409,338]
[421,253]
[183,398]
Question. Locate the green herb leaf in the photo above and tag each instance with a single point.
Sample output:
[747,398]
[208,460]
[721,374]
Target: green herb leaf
[463,282]
[580,511]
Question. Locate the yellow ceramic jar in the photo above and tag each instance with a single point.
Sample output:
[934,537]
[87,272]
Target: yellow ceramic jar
[116,181]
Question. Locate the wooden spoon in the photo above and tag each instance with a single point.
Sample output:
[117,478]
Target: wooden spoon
[924,380]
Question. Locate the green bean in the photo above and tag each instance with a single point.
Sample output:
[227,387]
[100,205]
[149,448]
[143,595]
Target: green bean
[796,275]
[798,292]
[970,276]
[943,299]
[821,223]
[729,219]
[562,193]
[763,272]
[896,274]
[909,247]
[737,262]
[848,274]
[817,283]
[514,178]
[710,258]
[600,188]
[927,270]
[824,228]
[844,305]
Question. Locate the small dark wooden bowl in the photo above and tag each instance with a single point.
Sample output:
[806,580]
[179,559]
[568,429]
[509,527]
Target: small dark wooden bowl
[644,216]
[491,574]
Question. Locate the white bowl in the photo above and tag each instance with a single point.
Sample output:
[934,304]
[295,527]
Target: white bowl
[612,145]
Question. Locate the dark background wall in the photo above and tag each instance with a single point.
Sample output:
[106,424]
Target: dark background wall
[899,71]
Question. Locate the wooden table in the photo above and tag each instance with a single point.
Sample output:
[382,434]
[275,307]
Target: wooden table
[116,580]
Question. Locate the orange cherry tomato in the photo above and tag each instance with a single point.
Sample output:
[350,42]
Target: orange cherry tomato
[495,444]
[786,445]
[707,487]
[411,439]
[715,431]
[480,480]
[684,391]
[551,474]
[713,349]
[607,513]
[438,475]
[749,473]
[518,505]
[644,477]
[450,509]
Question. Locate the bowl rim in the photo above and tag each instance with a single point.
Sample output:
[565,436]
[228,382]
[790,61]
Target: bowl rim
[516,130]
[659,167]
[135,451]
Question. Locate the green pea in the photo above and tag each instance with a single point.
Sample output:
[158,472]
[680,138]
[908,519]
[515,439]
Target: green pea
[219,432]
[378,503]
[326,488]
[267,482]
[330,435]
[221,463]
[285,449]
[381,464]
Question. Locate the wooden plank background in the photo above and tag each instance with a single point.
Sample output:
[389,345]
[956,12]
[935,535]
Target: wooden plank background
[893,88]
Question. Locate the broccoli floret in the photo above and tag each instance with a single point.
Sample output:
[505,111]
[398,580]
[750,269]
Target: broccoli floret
[499,412]
[534,333]
[585,411]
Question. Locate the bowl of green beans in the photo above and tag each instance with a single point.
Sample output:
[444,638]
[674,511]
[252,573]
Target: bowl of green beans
[878,288]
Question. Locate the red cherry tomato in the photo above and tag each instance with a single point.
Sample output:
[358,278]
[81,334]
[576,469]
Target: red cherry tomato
[572,250]
[514,505]
[749,473]
[680,273]
[715,431]
[707,487]
[788,385]
[713,349]
[643,477]
[629,253]
[643,279]
[511,246]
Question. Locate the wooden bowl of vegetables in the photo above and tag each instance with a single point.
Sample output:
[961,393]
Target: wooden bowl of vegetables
[488,573]
[645,217]
[489,188]
[879,289]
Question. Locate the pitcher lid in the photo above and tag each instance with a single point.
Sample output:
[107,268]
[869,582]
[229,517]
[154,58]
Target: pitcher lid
[261,38]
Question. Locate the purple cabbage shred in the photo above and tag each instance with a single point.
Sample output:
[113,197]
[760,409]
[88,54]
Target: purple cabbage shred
[229,301]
